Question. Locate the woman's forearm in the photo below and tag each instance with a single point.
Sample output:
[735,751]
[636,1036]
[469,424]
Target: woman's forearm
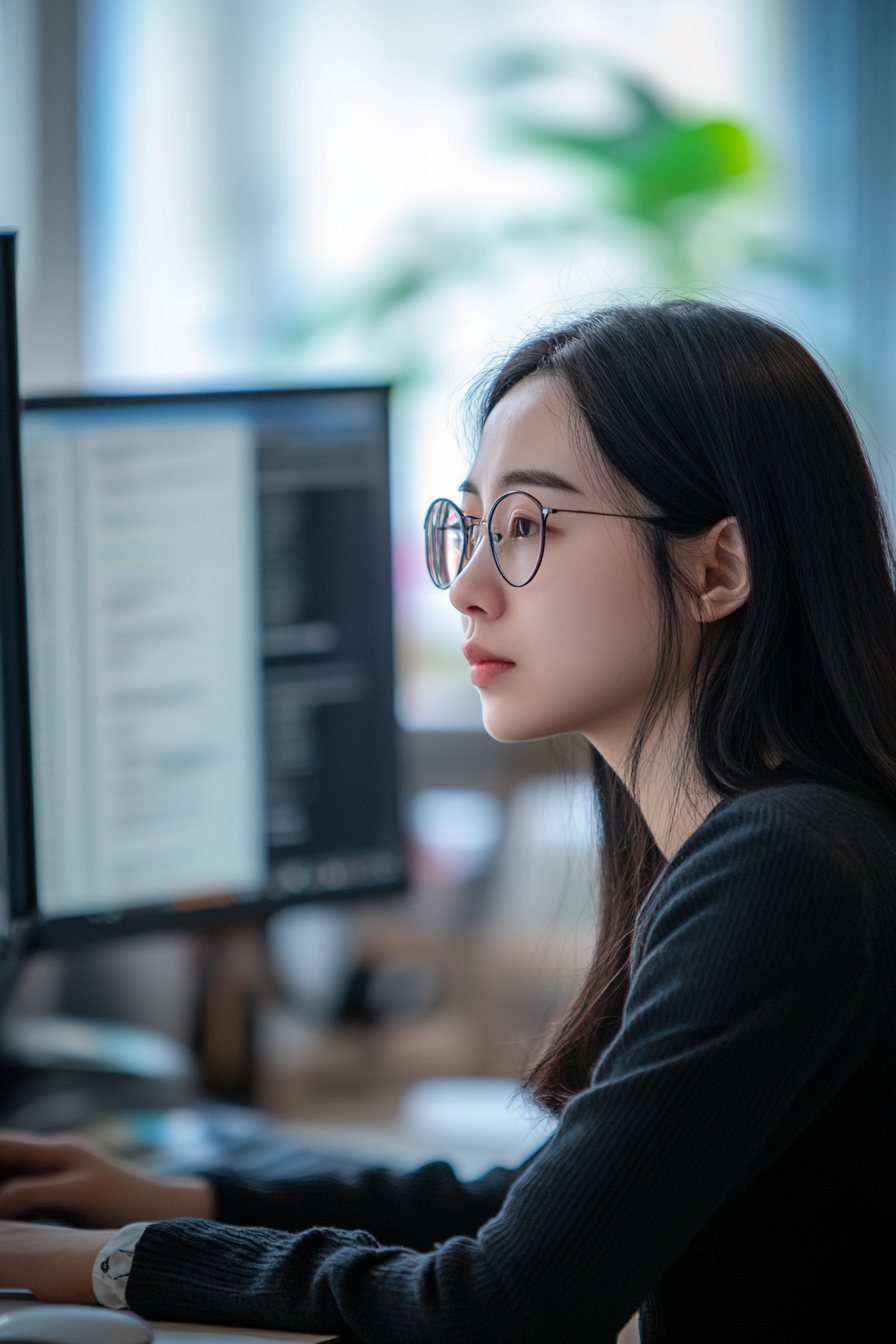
[56,1263]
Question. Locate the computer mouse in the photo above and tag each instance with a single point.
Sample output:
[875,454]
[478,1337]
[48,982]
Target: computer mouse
[73,1325]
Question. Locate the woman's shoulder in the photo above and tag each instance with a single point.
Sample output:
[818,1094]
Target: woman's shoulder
[794,856]
[813,818]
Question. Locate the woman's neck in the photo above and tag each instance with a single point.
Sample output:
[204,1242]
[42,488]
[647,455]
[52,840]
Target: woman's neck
[673,809]
[667,785]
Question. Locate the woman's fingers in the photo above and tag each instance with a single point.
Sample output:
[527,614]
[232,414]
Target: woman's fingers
[30,1194]
[91,1188]
[27,1152]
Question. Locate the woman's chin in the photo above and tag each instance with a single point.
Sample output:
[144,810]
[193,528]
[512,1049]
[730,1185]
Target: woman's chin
[505,726]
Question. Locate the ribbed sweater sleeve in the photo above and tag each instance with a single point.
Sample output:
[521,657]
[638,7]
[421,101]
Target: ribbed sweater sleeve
[750,1005]
[414,1209]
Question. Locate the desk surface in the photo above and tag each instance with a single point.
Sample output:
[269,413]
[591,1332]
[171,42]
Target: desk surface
[170,1332]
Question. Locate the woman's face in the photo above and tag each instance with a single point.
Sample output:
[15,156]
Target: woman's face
[575,650]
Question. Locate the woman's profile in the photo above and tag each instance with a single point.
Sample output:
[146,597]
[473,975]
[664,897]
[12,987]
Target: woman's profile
[669,542]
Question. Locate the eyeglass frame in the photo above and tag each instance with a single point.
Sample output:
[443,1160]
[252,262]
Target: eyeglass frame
[470,522]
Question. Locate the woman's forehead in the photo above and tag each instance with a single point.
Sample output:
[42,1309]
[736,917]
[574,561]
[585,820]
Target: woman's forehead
[532,428]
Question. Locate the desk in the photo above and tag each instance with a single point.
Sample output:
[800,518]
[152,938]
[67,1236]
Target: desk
[171,1332]
[168,1332]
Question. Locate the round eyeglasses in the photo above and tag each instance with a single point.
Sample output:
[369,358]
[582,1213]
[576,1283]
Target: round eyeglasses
[516,534]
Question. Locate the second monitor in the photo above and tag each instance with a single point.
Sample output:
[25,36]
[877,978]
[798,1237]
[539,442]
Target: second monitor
[208,581]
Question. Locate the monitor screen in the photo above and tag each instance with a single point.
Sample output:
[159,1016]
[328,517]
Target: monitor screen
[208,587]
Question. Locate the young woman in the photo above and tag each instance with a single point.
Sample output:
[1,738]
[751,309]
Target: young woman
[671,543]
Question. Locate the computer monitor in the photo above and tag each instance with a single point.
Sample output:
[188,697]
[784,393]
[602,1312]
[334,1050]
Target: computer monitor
[209,641]
[17,896]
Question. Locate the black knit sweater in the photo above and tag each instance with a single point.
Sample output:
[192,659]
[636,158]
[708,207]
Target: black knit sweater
[730,1171]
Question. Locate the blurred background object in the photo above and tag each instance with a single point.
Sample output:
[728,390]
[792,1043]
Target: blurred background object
[239,192]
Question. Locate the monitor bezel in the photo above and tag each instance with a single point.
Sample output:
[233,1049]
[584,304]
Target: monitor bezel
[17,799]
[64,930]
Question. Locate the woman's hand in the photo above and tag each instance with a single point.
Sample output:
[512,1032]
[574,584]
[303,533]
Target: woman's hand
[74,1179]
[56,1263]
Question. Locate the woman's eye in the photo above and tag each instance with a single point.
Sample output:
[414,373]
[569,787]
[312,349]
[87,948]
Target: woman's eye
[522,529]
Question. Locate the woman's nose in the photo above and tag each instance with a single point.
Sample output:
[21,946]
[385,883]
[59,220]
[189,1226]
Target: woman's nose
[478,588]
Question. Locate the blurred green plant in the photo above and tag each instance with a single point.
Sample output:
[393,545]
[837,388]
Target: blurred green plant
[668,170]
[659,176]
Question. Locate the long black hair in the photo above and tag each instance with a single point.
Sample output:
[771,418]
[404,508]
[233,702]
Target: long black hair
[708,413]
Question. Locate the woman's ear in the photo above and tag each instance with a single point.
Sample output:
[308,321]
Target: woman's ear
[723,577]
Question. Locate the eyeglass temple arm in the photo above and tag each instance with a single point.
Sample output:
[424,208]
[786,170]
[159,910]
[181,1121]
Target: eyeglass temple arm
[470,521]
[599,513]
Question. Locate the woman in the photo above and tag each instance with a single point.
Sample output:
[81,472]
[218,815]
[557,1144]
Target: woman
[670,543]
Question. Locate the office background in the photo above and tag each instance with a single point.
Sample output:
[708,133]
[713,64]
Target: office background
[251,192]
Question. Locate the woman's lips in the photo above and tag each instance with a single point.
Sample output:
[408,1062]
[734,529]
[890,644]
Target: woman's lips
[488,670]
[484,666]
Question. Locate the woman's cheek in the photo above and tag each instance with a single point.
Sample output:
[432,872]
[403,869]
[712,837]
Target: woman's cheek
[584,640]
[595,652]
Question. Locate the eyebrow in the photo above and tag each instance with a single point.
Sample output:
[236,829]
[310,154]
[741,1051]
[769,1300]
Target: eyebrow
[528,476]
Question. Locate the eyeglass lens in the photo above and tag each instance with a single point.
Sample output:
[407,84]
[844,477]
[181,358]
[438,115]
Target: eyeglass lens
[516,534]
[446,542]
